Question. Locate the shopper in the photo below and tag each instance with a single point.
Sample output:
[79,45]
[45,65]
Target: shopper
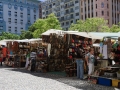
[5,53]
[80,63]
[90,61]
[1,56]
[27,59]
[33,56]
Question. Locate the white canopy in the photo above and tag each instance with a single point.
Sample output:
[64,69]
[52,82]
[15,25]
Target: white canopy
[52,31]
[83,34]
[2,43]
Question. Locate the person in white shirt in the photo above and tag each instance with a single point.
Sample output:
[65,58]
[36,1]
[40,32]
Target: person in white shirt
[90,59]
[33,56]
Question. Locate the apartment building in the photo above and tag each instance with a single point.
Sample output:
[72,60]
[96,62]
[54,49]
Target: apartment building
[107,9]
[67,11]
[17,15]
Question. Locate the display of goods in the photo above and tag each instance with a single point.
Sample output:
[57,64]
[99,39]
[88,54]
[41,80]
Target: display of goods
[115,82]
[58,52]
[104,81]
[15,46]
[9,45]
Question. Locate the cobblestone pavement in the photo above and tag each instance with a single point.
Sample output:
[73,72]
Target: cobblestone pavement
[21,79]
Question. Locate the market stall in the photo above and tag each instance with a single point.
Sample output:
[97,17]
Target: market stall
[108,72]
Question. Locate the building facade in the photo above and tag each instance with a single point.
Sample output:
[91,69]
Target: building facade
[107,9]
[40,9]
[67,11]
[17,15]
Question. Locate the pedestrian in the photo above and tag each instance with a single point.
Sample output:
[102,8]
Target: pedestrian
[90,59]
[80,63]
[27,59]
[33,56]
[1,56]
[5,53]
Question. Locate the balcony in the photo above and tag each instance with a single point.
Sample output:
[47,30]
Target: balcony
[67,1]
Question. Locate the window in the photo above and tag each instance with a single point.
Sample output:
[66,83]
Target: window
[9,29]
[81,3]
[1,20]
[9,6]
[28,15]
[28,9]
[9,20]
[62,24]
[15,0]
[21,8]
[21,22]
[1,4]
[71,21]
[34,16]
[107,13]
[1,13]
[102,12]
[1,27]
[71,10]
[76,1]
[21,15]
[96,6]
[28,21]
[15,14]
[21,28]
[107,6]
[15,7]
[77,7]
[77,14]
[34,10]
[67,23]
[53,4]
[102,5]
[1,9]
[9,13]
[15,29]
[71,15]
[81,9]
[15,21]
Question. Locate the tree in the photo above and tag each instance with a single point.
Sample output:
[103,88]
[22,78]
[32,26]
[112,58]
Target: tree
[26,34]
[115,28]
[42,25]
[32,28]
[89,25]
[7,35]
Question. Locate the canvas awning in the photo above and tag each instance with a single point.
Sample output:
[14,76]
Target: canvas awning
[48,32]
[104,34]
[83,34]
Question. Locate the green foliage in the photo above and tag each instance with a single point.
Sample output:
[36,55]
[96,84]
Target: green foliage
[94,25]
[42,25]
[7,35]
[32,28]
[115,28]
[89,25]
[26,34]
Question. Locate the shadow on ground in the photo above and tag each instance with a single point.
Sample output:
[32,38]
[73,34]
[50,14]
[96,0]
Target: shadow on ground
[71,81]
